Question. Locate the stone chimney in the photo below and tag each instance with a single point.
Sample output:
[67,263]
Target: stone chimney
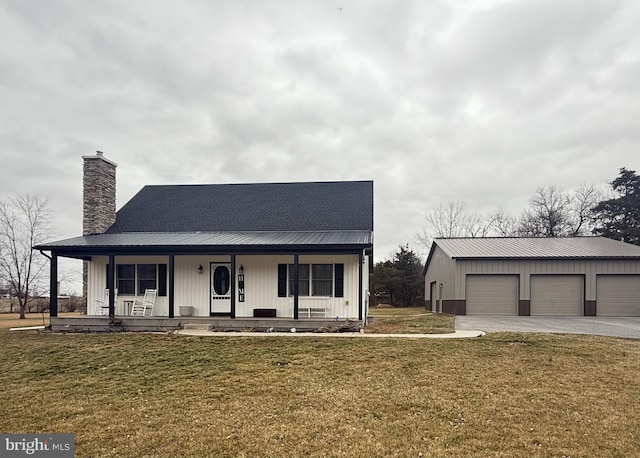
[98,200]
[99,194]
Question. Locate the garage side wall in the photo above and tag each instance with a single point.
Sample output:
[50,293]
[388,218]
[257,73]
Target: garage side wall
[441,270]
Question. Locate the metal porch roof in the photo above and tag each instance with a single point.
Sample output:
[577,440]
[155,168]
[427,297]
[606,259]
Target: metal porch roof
[228,239]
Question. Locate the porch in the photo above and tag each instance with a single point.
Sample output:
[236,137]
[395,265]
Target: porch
[91,323]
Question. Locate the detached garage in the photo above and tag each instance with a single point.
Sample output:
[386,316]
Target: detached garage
[571,276]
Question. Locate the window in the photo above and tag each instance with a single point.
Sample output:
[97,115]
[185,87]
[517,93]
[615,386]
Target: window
[134,279]
[146,277]
[303,279]
[326,280]
[322,284]
[126,278]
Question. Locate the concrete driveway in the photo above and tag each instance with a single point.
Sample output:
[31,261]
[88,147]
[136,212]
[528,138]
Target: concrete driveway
[601,326]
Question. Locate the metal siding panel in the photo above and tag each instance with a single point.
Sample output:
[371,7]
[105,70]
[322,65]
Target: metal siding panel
[618,295]
[557,295]
[444,270]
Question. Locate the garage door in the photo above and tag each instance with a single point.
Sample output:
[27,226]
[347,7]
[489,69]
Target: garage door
[557,295]
[492,294]
[618,295]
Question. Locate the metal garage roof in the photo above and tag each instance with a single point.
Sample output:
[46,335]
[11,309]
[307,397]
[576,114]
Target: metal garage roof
[536,248]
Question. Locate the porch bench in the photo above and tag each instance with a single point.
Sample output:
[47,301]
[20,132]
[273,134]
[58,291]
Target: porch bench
[312,312]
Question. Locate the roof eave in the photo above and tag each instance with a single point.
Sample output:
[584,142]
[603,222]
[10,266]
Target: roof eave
[545,258]
[163,250]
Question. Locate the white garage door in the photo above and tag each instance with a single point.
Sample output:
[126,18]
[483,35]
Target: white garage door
[618,295]
[492,294]
[557,295]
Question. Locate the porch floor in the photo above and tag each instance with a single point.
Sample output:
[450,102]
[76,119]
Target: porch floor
[92,323]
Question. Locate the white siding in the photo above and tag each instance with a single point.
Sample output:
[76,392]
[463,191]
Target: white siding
[191,287]
[557,295]
[618,295]
[97,282]
[261,284]
[492,295]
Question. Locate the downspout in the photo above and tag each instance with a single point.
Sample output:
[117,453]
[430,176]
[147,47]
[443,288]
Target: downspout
[53,283]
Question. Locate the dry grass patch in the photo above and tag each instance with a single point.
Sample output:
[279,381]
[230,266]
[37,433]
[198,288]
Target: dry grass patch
[409,320]
[12,320]
[133,395]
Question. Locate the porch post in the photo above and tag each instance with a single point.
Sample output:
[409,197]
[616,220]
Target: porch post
[296,274]
[360,283]
[170,292]
[233,286]
[111,286]
[53,286]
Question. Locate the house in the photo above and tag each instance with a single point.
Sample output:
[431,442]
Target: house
[575,276]
[239,251]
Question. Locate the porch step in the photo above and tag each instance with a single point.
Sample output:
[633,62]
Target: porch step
[198,326]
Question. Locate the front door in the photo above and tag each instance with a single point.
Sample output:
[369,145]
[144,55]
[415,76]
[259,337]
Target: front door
[221,288]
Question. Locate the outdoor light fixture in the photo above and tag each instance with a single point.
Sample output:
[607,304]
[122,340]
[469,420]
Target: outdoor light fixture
[200,269]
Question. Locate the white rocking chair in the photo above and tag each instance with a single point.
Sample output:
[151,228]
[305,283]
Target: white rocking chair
[145,307]
[102,306]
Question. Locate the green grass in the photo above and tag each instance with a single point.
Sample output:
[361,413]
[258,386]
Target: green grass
[135,395]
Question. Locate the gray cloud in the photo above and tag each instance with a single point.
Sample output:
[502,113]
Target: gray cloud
[435,101]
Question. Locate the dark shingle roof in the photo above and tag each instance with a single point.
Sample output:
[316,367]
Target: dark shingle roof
[315,206]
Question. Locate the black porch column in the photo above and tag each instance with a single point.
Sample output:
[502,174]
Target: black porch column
[170,292]
[111,285]
[233,286]
[296,275]
[53,286]
[360,259]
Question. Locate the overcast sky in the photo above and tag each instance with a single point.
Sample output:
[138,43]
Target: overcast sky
[436,101]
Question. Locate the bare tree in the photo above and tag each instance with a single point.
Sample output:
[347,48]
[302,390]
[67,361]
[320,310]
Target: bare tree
[452,220]
[547,215]
[584,199]
[25,221]
[502,224]
[554,212]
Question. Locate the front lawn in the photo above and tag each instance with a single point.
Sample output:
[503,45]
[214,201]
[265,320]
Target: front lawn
[505,395]
[409,320]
